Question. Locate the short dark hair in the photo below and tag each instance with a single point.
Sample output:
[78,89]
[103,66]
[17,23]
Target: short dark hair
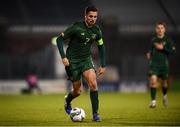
[90,8]
[161,23]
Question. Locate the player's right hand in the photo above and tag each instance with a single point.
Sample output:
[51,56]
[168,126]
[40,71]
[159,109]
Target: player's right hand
[159,46]
[65,61]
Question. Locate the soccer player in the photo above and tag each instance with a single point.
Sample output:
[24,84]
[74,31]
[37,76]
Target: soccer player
[78,61]
[161,47]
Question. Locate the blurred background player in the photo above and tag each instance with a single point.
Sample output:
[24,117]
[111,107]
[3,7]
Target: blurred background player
[32,83]
[161,47]
[78,61]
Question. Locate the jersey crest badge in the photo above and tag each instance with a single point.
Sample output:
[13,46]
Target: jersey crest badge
[164,43]
[82,34]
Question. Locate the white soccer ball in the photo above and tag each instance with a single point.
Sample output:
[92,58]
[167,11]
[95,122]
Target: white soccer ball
[77,114]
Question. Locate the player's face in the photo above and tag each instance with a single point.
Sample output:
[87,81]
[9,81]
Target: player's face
[160,30]
[91,18]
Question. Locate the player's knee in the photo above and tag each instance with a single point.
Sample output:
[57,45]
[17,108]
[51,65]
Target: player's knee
[93,85]
[153,81]
[153,84]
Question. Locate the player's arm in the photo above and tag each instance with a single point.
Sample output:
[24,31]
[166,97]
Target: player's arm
[149,53]
[60,42]
[102,55]
[159,46]
[102,52]
[169,48]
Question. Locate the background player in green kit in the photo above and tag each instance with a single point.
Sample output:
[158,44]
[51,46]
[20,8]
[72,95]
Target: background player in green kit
[161,47]
[78,61]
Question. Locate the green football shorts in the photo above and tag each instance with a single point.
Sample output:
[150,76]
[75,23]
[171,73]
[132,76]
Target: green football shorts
[161,72]
[75,70]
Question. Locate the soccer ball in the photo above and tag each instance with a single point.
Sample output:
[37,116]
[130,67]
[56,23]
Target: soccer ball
[77,114]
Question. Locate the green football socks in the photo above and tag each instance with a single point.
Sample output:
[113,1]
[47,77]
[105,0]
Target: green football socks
[153,93]
[94,101]
[164,90]
[69,98]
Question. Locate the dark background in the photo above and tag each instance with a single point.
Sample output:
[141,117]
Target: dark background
[27,27]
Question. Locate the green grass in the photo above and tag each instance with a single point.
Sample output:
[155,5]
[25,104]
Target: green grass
[116,109]
[175,85]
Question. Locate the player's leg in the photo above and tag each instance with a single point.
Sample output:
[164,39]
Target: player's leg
[164,91]
[90,77]
[76,91]
[153,82]
[164,77]
[75,76]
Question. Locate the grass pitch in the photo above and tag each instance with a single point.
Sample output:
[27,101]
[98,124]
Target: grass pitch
[116,109]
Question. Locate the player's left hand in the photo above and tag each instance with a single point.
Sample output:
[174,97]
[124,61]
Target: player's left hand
[101,70]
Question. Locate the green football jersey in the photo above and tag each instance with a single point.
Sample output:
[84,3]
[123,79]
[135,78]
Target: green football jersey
[81,38]
[159,58]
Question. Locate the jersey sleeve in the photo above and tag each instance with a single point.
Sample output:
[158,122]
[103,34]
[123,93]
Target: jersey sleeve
[102,55]
[68,32]
[101,48]
[170,47]
[151,46]
[60,42]
[63,36]
[99,37]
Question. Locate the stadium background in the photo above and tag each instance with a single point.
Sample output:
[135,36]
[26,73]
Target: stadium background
[28,29]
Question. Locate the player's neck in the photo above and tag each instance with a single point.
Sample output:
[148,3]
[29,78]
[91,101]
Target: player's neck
[160,36]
